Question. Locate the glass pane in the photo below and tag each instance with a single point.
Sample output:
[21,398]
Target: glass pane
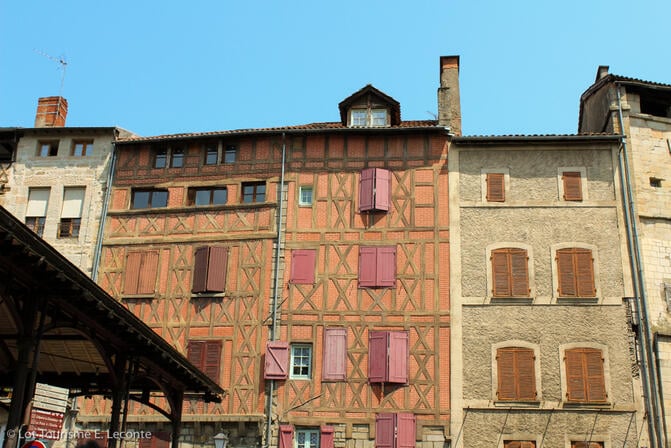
[203,197]
[358,118]
[160,160]
[229,157]
[260,193]
[219,196]
[379,117]
[248,193]
[140,199]
[177,158]
[314,439]
[79,149]
[211,156]
[159,199]
[306,195]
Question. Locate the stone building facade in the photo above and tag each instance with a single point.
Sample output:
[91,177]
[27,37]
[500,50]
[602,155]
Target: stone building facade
[541,346]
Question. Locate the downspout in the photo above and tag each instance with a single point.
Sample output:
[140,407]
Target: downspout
[276,292]
[648,369]
[103,216]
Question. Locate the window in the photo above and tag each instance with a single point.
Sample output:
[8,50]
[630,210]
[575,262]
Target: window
[209,270]
[572,185]
[71,213]
[395,430]
[82,148]
[359,117]
[305,196]
[149,199]
[206,355]
[303,266]
[510,274]
[277,360]
[575,271]
[496,187]
[140,274]
[656,182]
[516,375]
[306,437]
[229,153]
[36,212]
[253,192]
[388,357]
[301,361]
[374,190]
[47,149]
[208,196]
[368,117]
[211,154]
[177,157]
[585,379]
[377,267]
[334,354]
[519,444]
[161,158]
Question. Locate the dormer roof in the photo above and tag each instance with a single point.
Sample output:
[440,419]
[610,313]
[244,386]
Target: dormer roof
[370,97]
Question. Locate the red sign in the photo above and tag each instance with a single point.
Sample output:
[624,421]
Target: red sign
[45,425]
[34,444]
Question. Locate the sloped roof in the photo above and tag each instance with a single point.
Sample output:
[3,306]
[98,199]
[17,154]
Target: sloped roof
[369,90]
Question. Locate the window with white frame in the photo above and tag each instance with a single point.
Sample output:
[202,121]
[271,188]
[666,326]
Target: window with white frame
[363,117]
[301,361]
[307,438]
[36,212]
[305,196]
[71,213]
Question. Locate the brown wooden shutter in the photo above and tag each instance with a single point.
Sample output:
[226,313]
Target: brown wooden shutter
[519,264]
[527,444]
[216,269]
[501,277]
[200,257]
[566,273]
[132,273]
[575,379]
[148,273]
[526,373]
[584,266]
[596,382]
[519,444]
[496,187]
[586,444]
[572,186]
[505,361]
[212,360]
[194,353]
[516,373]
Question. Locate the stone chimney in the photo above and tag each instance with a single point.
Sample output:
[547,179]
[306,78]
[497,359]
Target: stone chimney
[449,105]
[601,72]
[51,112]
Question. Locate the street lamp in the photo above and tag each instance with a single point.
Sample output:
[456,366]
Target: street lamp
[220,440]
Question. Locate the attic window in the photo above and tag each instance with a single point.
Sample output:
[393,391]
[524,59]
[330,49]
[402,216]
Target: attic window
[368,118]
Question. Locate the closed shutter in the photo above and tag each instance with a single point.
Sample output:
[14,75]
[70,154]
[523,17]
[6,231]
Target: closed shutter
[286,436]
[519,263]
[366,190]
[303,266]
[405,430]
[516,374]
[528,444]
[132,272]
[201,257]
[519,444]
[277,360]
[596,382]
[326,437]
[148,273]
[367,266]
[194,353]
[575,378]
[565,270]
[216,269]
[501,273]
[212,360]
[386,266]
[398,357]
[586,444]
[160,439]
[505,361]
[334,358]
[496,187]
[378,342]
[572,186]
[384,431]
[526,374]
[382,189]
[575,267]
[584,266]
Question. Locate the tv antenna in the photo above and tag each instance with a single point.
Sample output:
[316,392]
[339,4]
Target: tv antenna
[62,63]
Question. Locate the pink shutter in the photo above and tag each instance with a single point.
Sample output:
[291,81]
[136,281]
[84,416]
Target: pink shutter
[326,439]
[378,342]
[148,273]
[398,357]
[334,357]
[277,360]
[303,266]
[132,273]
[201,258]
[286,436]
[366,190]
[367,267]
[386,266]
[405,430]
[382,190]
[216,269]
[384,431]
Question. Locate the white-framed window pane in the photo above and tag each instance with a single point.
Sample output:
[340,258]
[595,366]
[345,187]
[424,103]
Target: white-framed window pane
[301,361]
[358,117]
[307,438]
[379,117]
[203,197]
[305,196]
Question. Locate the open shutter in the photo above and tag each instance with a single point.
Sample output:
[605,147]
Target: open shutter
[378,341]
[303,266]
[496,187]
[201,258]
[326,437]
[405,430]
[565,270]
[572,186]
[596,383]
[382,189]
[505,362]
[367,266]
[132,272]
[519,263]
[384,430]
[277,360]
[575,379]
[148,273]
[212,360]
[366,190]
[216,269]
[386,266]
[500,273]
[286,436]
[334,357]
[584,267]
[398,357]
[525,373]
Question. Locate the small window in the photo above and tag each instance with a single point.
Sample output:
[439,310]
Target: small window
[516,374]
[301,361]
[585,379]
[71,213]
[305,196]
[307,438]
[149,199]
[82,148]
[572,185]
[161,158]
[36,224]
[140,273]
[206,355]
[510,272]
[575,271]
[377,267]
[253,192]
[208,196]
[375,190]
[211,154]
[359,117]
[229,153]
[177,157]
[655,182]
[368,117]
[496,187]
[48,149]
[36,212]
[378,117]
[388,357]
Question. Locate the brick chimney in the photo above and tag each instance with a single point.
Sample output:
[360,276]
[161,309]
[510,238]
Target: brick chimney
[449,105]
[51,112]
[601,72]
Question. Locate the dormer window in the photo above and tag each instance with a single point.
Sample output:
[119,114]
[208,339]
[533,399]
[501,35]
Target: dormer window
[369,108]
[368,117]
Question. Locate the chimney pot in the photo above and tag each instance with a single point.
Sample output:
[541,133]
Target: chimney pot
[51,112]
[601,72]
[449,103]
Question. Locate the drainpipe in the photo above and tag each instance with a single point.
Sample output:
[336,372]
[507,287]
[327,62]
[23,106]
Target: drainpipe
[648,369]
[276,291]
[103,216]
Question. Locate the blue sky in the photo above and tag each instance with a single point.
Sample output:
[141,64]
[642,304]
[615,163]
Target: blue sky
[167,67]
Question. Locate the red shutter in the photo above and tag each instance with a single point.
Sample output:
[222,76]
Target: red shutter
[216,269]
[505,362]
[326,439]
[159,439]
[584,266]
[526,373]
[382,190]
[194,353]
[575,379]
[378,342]
[596,383]
[334,357]
[519,262]
[386,266]
[366,190]
[132,273]
[496,187]
[286,436]
[303,266]
[398,357]
[405,430]
[277,360]
[367,266]
[500,273]
[212,360]
[384,431]
[566,273]
[201,258]
[572,186]
[148,273]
